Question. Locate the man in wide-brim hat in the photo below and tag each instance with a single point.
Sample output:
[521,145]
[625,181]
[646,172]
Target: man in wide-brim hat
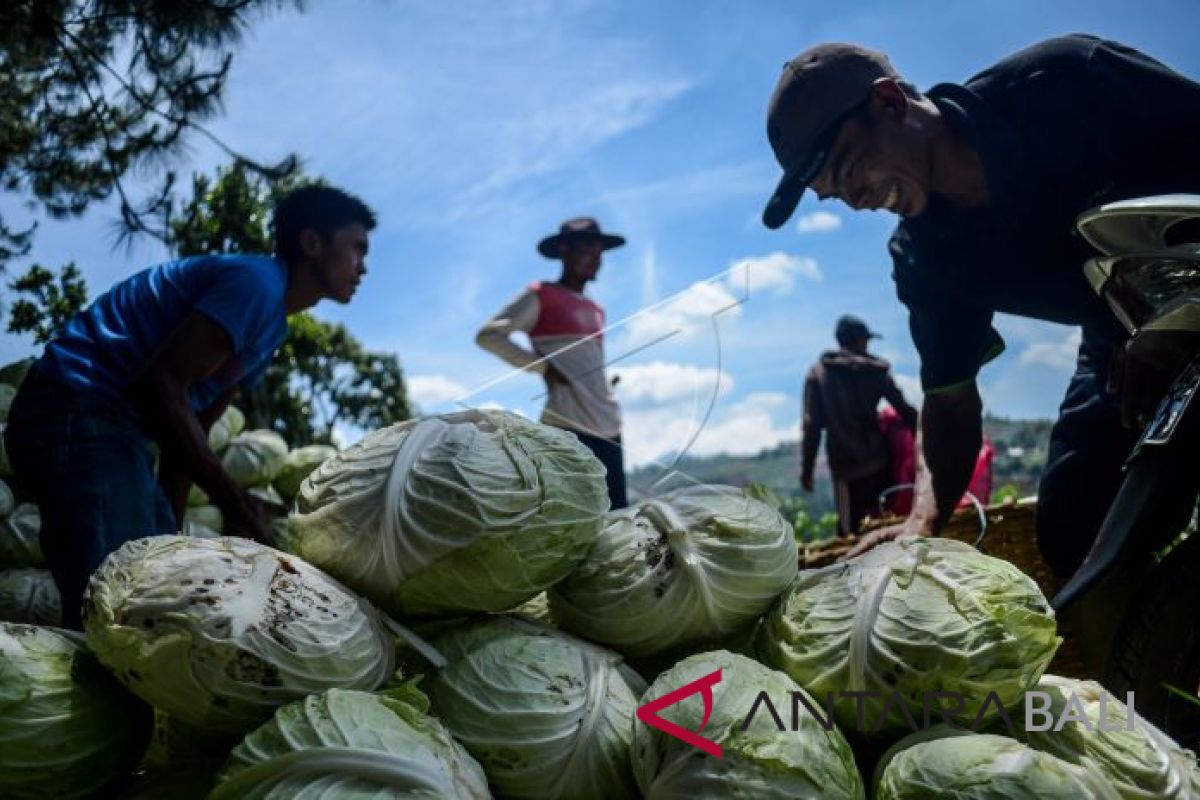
[565,329]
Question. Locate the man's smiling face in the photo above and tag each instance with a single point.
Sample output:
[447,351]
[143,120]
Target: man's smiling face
[878,160]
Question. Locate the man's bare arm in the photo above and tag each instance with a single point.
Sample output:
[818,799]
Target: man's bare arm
[175,482]
[952,432]
[193,352]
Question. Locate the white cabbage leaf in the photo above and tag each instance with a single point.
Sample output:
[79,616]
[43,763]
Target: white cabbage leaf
[760,761]
[695,564]
[949,763]
[30,596]
[352,744]
[471,511]
[908,619]
[547,715]
[220,632]
[67,729]
[254,458]
[19,543]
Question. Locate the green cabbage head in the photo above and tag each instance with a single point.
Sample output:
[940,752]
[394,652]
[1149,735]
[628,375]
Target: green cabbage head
[759,762]
[547,715]
[471,511]
[19,543]
[909,619]
[228,425]
[1141,764]
[351,744]
[694,564]
[297,466]
[254,458]
[940,763]
[8,393]
[218,633]
[30,596]
[67,728]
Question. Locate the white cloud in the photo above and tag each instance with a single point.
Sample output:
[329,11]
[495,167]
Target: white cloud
[911,387]
[1057,354]
[776,273]
[663,382]
[684,314]
[744,428]
[434,390]
[818,222]
[649,275]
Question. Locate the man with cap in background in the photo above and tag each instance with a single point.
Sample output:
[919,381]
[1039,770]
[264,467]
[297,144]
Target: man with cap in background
[989,177]
[841,395]
[566,331]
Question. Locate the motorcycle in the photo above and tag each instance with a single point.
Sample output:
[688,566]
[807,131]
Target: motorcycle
[1134,601]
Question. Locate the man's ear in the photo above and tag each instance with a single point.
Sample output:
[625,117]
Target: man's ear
[888,98]
[311,243]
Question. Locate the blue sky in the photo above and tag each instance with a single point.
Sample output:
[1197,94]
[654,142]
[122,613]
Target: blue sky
[474,128]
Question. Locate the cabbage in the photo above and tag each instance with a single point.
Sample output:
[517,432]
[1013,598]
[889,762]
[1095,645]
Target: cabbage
[1142,764]
[29,595]
[66,727]
[228,425]
[548,716]
[254,458]
[695,564]
[220,632]
[19,544]
[471,511]
[909,619]
[7,501]
[267,494]
[7,395]
[343,744]
[209,517]
[943,763]
[758,762]
[297,466]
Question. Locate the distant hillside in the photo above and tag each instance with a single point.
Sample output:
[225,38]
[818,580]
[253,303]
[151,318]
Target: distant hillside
[1020,456]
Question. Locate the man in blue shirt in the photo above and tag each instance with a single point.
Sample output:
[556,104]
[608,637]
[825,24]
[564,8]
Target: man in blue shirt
[988,178]
[158,357]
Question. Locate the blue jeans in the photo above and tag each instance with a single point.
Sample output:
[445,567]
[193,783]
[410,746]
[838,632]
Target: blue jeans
[89,467]
[612,456]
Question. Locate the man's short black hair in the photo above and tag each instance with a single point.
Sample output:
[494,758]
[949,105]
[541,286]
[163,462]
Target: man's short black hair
[323,209]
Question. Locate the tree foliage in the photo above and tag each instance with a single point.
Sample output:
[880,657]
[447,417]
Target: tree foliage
[322,376]
[92,89]
[46,301]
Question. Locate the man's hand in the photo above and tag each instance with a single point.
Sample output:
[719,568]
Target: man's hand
[251,518]
[911,528]
[806,481]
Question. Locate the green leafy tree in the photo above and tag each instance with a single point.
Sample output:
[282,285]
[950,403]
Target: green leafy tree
[322,375]
[91,90]
[45,301]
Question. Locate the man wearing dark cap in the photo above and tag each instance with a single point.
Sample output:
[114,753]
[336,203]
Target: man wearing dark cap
[988,178]
[841,395]
[566,331]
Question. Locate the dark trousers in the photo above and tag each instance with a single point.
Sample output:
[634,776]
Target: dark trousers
[858,498]
[612,456]
[91,472]
[1088,447]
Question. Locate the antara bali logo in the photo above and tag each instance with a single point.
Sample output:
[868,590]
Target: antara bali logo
[648,713]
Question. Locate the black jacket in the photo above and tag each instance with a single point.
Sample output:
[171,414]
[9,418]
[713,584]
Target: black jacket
[841,395]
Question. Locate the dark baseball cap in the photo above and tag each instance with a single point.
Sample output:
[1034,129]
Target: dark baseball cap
[817,89]
[850,329]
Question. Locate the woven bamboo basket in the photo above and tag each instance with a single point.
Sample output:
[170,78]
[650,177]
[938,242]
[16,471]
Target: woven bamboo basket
[1008,534]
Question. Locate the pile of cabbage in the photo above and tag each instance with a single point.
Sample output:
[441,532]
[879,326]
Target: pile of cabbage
[453,611]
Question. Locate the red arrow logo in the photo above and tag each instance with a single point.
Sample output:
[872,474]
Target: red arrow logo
[649,712]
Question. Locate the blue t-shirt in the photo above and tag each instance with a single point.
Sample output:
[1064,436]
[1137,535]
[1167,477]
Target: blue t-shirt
[105,347]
